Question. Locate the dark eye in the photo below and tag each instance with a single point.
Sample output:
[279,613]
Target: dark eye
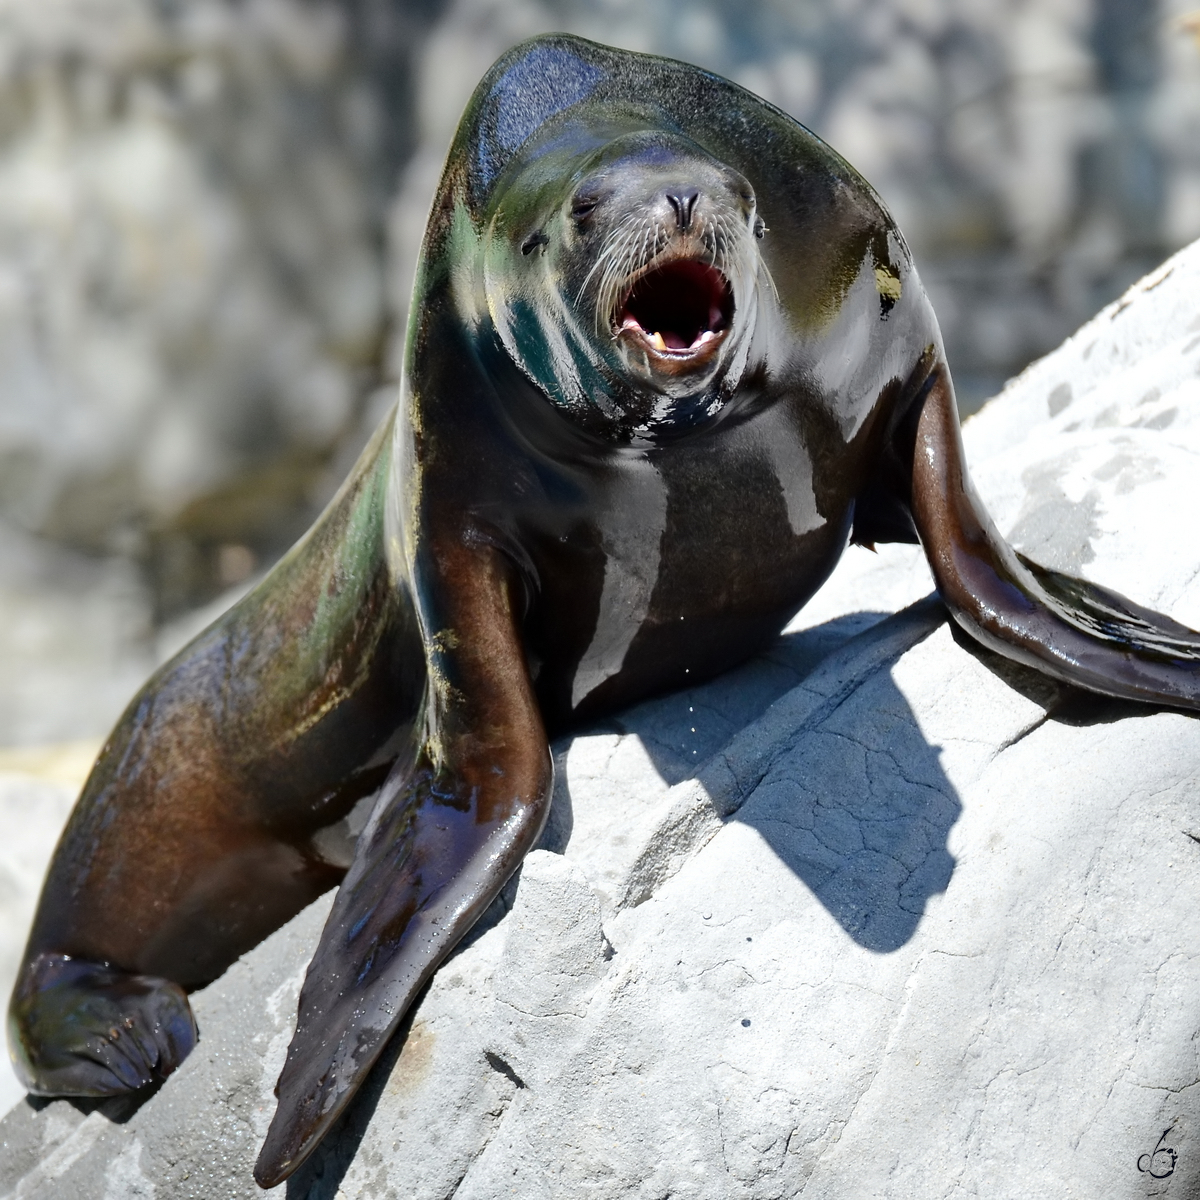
[583,206]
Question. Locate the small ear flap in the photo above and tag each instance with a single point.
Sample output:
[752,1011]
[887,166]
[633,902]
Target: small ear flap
[1068,628]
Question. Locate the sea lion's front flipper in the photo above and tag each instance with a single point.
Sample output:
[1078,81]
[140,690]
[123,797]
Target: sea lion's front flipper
[444,837]
[1069,628]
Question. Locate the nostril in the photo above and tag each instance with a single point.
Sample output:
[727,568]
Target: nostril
[684,205]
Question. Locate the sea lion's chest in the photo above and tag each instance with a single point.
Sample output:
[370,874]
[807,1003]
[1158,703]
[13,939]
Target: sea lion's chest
[669,566]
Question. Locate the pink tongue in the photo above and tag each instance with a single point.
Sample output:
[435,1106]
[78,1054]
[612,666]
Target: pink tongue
[675,342]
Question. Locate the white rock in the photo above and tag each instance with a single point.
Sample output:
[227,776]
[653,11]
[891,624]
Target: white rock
[875,915]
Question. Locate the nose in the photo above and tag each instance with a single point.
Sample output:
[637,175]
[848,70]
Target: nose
[683,201]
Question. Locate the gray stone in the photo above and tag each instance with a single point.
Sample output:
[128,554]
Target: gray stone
[878,914]
[187,251]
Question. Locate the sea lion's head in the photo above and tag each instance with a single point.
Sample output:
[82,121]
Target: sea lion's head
[622,276]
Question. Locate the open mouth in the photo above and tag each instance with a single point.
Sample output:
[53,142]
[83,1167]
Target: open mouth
[679,312]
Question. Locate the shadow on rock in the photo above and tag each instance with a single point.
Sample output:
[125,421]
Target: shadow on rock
[683,730]
[860,809]
[857,805]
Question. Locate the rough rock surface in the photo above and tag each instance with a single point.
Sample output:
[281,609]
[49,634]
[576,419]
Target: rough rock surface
[876,915]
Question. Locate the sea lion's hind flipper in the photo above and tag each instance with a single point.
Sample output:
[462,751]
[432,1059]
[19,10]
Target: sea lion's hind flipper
[86,1029]
[1115,618]
[1073,630]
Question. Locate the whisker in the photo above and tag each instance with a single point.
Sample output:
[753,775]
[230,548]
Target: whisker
[764,270]
[618,252]
[610,246]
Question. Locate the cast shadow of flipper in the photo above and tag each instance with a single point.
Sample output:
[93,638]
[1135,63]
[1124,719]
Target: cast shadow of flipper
[859,808]
[853,798]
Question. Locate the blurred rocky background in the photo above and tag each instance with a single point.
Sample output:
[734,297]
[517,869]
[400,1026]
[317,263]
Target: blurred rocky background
[210,209]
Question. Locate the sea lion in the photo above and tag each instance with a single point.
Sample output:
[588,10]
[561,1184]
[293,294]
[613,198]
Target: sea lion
[668,355]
